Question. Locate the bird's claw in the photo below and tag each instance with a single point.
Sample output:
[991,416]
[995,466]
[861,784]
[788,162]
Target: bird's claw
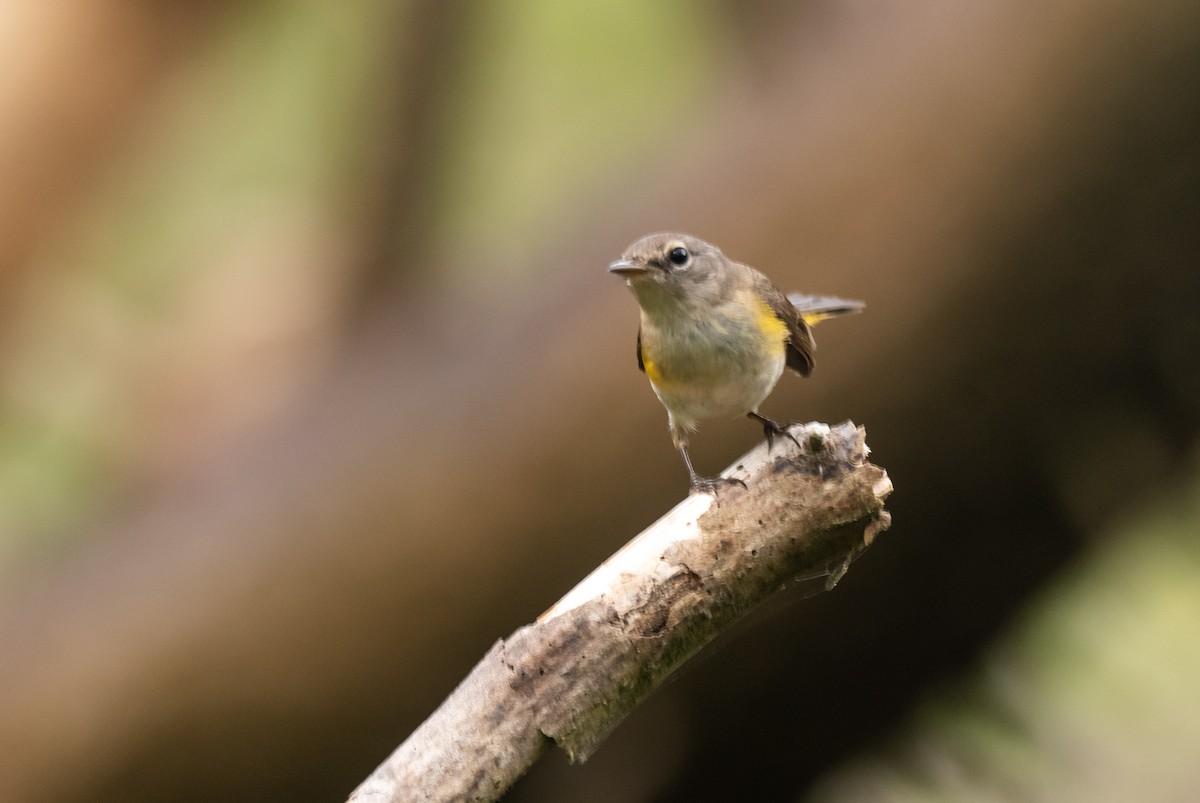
[772,429]
[706,485]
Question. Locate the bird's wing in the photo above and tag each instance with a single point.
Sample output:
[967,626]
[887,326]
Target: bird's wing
[641,365]
[801,347]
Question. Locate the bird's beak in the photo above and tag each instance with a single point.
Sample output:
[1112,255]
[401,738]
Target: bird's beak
[625,267]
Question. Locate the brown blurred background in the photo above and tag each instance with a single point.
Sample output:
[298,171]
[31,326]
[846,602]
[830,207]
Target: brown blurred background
[313,384]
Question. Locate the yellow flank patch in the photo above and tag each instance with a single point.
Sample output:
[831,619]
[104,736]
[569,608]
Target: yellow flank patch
[772,328]
[652,371]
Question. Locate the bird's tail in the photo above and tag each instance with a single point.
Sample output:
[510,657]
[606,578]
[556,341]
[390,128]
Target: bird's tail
[814,309]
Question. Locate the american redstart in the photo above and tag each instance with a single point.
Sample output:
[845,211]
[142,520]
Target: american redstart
[715,334]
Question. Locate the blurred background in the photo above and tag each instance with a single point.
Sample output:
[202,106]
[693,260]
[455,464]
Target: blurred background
[313,384]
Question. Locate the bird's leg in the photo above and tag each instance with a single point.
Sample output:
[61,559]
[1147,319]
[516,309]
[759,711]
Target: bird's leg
[771,429]
[705,484]
[701,484]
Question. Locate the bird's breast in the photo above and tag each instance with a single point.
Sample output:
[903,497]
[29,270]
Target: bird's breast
[720,364]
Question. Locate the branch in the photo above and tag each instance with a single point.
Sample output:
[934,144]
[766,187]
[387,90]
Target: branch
[572,676]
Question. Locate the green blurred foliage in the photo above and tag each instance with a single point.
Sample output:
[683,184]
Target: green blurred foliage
[263,121]
[267,115]
[555,96]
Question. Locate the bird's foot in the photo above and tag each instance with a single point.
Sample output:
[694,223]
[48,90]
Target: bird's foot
[709,485]
[772,429]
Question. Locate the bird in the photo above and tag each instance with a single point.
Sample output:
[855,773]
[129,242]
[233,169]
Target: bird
[715,335]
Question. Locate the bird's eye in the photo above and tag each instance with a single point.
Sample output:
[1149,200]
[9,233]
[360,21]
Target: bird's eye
[678,255]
